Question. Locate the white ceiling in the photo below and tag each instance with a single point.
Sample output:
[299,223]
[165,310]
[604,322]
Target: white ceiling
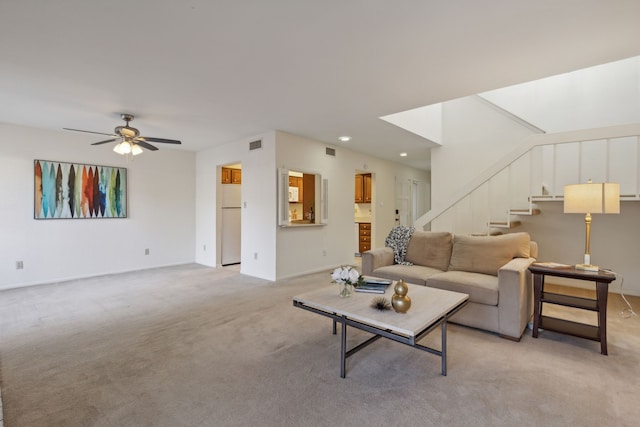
[210,72]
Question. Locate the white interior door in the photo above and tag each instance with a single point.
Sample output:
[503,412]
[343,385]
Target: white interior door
[403,202]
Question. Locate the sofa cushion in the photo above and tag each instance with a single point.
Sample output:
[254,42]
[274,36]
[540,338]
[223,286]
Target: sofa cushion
[430,249]
[481,288]
[415,274]
[486,254]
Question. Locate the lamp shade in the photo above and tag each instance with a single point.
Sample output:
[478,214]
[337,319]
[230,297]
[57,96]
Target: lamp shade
[592,198]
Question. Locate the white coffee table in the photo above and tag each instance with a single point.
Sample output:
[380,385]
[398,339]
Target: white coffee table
[430,308]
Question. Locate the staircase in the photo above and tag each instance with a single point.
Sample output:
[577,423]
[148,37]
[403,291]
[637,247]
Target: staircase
[535,172]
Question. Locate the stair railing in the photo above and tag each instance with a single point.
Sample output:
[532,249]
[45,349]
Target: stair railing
[522,149]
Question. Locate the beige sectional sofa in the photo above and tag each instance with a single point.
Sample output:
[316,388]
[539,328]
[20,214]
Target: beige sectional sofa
[493,270]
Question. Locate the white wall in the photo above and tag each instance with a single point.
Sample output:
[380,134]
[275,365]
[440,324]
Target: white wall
[259,216]
[474,136]
[301,250]
[161,211]
[604,95]
[272,252]
[172,208]
[560,237]
[614,241]
[258,250]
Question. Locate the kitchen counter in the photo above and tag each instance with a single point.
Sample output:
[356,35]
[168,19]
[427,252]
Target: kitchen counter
[301,223]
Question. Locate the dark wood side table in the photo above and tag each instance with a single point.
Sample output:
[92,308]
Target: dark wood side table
[599,305]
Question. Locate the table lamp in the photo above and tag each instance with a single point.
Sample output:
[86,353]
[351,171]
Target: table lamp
[591,198]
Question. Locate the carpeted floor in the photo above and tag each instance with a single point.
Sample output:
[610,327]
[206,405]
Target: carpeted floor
[195,346]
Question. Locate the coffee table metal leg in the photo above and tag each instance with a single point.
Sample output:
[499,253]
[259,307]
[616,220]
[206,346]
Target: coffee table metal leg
[444,347]
[343,349]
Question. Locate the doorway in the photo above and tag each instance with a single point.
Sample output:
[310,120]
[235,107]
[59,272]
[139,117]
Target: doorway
[230,214]
[363,211]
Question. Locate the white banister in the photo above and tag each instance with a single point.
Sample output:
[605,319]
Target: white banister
[523,148]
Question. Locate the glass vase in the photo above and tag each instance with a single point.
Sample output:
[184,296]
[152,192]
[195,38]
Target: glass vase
[345,290]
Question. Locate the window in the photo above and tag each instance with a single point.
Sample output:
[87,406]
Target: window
[302,198]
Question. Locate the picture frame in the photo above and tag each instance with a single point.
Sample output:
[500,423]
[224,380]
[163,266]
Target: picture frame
[78,191]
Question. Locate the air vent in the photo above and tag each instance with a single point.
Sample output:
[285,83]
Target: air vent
[255,145]
[330,151]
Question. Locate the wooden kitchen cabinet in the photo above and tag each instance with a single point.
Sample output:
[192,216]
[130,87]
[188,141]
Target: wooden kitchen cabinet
[364,236]
[231,176]
[236,176]
[359,189]
[366,185]
[226,176]
[363,188]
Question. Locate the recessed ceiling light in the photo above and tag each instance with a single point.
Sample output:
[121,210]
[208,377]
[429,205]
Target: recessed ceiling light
[344,138]
[403,154]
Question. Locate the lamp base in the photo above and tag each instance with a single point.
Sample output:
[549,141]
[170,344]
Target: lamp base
[587,267]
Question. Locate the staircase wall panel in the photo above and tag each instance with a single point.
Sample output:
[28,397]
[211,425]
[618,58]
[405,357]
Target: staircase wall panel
[594,162]
[624,162]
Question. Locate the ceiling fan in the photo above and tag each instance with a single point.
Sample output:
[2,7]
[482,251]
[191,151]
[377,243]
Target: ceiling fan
[130,139]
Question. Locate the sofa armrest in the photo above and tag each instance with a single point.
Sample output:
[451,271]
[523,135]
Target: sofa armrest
[376,258]
[515,297]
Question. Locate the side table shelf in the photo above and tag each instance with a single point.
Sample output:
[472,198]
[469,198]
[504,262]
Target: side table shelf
[568,327]
[599,305]
[570,301]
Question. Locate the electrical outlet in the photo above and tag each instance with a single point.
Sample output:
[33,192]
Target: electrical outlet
[255,255]
[324,252]
[19,265]
[204,247]
[146,251]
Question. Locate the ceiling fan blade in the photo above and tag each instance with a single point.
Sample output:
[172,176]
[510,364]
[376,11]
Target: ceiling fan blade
[162,140]
[146,145]
[89,131]
[105,141]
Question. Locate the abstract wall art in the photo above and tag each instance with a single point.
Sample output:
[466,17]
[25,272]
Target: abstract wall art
[72,190]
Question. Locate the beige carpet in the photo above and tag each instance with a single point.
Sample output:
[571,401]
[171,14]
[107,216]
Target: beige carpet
[194,346]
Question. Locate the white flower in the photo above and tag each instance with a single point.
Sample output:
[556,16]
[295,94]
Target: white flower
[353,275]
[348,275]
[337,275]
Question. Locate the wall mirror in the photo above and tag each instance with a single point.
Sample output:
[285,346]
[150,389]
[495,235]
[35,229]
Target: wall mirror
[302,198]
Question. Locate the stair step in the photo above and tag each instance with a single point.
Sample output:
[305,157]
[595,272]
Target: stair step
[525,211]
[504,224]
[546,198]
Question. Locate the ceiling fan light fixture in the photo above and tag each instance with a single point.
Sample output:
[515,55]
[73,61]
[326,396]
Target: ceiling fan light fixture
[130,141]
[117,148]
[135,149]
[123,148]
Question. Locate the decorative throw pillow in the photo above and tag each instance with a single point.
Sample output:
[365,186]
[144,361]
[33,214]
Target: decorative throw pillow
[486,254]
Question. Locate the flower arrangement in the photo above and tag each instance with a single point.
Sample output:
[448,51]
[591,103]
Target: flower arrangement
[347,276]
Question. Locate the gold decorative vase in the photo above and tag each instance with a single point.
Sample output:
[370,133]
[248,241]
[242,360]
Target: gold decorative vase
[400,301]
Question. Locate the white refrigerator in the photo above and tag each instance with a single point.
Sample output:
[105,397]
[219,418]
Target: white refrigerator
[231,224]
